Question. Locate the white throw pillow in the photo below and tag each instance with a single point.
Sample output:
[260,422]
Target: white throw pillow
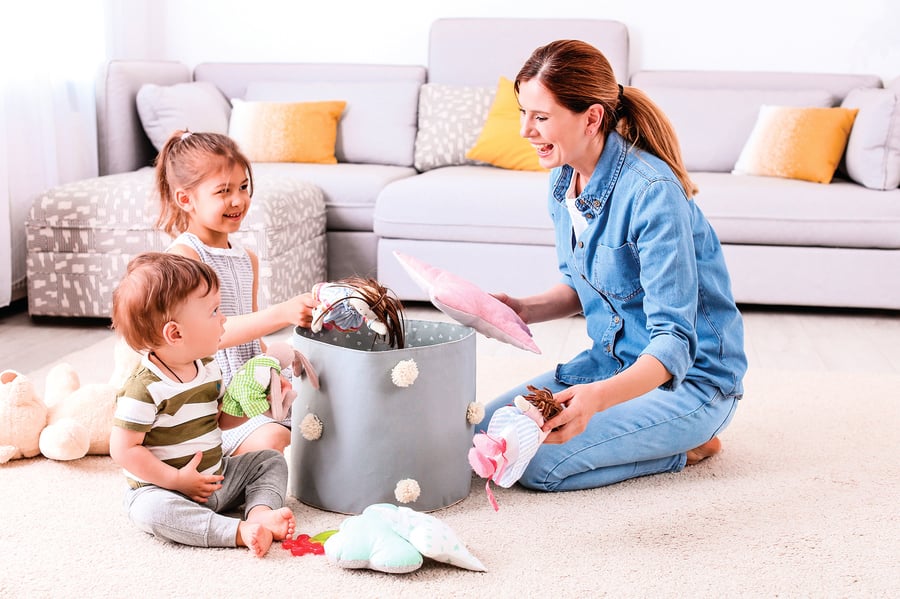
[196,106]
[872,157]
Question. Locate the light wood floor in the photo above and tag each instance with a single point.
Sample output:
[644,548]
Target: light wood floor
[776,337]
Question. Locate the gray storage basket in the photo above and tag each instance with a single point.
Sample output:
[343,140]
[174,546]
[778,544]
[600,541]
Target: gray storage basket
[375,433]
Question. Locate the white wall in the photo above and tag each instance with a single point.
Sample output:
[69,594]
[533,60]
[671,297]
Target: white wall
[859,36]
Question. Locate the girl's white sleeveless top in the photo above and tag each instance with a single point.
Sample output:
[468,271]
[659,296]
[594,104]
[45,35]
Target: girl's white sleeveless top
[235,272]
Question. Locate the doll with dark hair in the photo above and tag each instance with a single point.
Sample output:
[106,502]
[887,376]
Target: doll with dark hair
[347,304]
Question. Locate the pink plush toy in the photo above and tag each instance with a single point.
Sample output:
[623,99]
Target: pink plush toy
[512,438]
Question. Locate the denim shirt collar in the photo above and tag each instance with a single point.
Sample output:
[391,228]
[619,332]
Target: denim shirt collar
[603,180]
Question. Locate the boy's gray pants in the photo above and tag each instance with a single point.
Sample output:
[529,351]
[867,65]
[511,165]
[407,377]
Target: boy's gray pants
[252,479]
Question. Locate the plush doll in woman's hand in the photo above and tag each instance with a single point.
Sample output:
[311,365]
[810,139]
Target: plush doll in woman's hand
[260,387]
[513,436]
[349,303]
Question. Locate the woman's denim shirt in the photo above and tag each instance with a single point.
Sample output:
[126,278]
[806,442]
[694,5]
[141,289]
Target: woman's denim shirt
[649,272]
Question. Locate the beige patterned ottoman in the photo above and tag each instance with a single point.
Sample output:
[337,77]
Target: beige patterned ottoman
[80,237]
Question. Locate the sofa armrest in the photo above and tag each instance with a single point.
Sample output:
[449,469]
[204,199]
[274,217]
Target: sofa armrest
[122,144]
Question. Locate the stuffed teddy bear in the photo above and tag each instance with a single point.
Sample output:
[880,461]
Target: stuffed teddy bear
[258,387]
[23,415]
[79,417]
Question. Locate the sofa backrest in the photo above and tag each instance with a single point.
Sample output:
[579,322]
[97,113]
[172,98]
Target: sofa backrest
[379,123]
[714,112]
[122,144]
[478,51]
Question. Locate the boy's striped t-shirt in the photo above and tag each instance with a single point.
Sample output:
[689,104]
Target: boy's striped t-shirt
[178,419]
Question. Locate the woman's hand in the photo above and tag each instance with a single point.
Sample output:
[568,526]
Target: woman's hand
[197,486]
[581,403]
[557,302]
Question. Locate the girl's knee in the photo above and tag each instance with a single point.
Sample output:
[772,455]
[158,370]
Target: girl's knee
[268,436]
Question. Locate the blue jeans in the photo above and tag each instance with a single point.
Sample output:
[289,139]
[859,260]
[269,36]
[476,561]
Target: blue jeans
[646,435]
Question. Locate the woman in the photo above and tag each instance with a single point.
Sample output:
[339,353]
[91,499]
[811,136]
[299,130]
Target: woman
[643,265]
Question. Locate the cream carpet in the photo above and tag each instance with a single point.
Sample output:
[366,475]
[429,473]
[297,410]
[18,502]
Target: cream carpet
[803,501]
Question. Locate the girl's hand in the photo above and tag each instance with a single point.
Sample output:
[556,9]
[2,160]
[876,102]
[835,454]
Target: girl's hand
[195,485]
[581,403]
[298,310]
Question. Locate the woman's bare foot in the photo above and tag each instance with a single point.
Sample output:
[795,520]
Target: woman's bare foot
[280,522]
[698,454]
[256,537]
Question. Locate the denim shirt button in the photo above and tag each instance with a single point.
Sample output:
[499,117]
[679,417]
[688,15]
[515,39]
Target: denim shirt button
[581,244]
[616,319]
[609,348]
[589,215]
[596,203]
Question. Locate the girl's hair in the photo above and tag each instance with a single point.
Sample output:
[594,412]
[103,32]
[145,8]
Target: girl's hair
[155,285]
[184,162]
[579,76]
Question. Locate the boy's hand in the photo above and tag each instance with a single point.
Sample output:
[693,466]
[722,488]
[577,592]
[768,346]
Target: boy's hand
[195,485]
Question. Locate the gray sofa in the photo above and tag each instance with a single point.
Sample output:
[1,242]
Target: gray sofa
[403,182]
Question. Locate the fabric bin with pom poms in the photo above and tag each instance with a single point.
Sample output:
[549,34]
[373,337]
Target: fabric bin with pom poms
[391,425]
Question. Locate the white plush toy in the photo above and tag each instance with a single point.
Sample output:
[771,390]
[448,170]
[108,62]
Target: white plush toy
[22,417]
[72,420]
[79,417]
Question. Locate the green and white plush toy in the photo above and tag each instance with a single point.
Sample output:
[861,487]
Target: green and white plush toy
[393,539]
[259,387]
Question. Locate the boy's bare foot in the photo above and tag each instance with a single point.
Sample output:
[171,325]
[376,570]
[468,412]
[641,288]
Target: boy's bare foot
[280,522]
[698,454]
[256,537]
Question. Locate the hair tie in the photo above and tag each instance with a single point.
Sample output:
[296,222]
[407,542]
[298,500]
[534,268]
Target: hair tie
[187,134]
[621,94]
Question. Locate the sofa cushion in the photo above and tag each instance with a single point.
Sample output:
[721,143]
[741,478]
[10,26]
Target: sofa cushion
[450,119]
[197,106]
[714,124]
[286,131]
[775,211]
[797,143]
[379,122]
[873,150]
[467,203]
[499,142]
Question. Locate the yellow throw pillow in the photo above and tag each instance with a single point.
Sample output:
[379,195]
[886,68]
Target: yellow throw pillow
[286,131]
[797,143]
[499,142]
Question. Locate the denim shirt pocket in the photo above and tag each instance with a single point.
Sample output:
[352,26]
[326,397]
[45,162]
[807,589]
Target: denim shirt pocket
[616,272]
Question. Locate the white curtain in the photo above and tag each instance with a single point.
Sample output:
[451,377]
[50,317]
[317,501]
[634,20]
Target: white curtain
[51,52]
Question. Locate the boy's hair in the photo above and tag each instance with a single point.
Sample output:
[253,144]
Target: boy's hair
[184,162]
[154,286]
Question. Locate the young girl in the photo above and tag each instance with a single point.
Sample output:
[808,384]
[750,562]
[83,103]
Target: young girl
[639,259]
[205,186]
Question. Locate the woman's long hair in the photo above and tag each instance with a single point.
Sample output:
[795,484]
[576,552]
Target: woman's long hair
[579,76]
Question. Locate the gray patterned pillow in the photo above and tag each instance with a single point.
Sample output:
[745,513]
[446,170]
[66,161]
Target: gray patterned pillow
[450,119]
